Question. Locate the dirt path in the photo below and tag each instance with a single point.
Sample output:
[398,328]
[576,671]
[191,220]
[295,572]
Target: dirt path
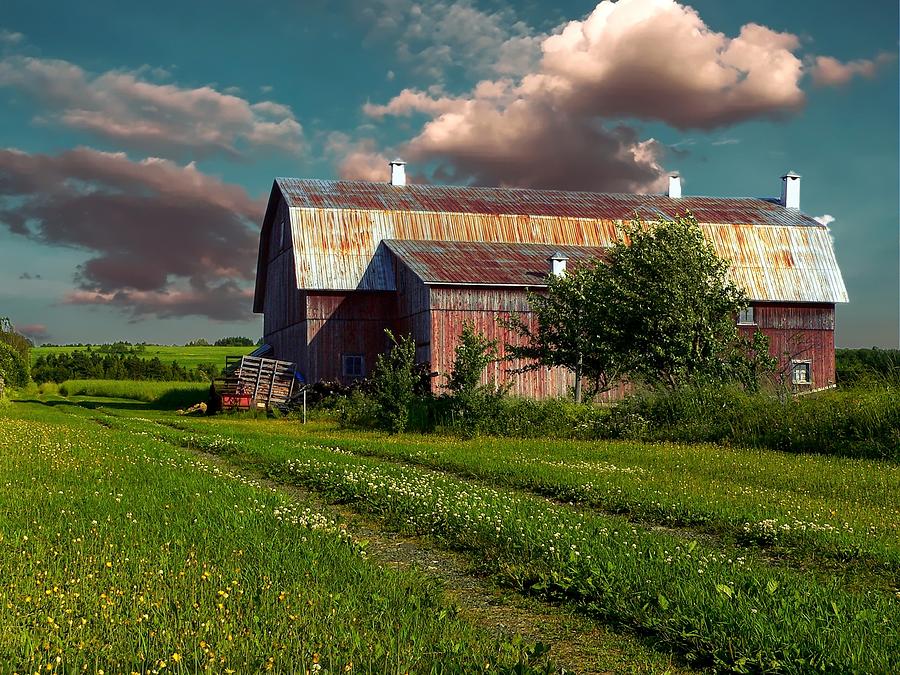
[577,644]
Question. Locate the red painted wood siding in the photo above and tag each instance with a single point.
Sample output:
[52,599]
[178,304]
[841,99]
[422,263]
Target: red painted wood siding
[802,333]
[346,323]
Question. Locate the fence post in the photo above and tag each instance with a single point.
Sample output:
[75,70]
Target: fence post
[304,405]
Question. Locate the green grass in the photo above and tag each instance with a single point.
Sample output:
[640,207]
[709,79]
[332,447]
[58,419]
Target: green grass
[169,395]
[189,357]
[122,553]
[718,604]
[809,507]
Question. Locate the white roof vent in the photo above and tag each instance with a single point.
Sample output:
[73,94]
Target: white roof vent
[558,264]
[790,190]
[398,172]
[674,186]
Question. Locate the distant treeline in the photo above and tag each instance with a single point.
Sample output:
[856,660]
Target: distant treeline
[858,366]
[128,346]
[89,364]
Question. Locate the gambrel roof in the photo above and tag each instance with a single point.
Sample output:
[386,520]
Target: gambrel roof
[337,227]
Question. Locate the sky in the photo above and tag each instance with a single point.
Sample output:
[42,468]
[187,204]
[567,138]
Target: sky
[139,141]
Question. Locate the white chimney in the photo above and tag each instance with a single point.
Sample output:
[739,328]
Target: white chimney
[790,190]
[558,264]
[398,172]
[674,186]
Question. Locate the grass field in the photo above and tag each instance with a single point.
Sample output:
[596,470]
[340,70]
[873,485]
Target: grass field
[737,560]
[167,395]
[189,357]
[120,553]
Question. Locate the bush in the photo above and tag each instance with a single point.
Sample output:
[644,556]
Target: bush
[394,384]
[13,367]
[472,405]
[854,423]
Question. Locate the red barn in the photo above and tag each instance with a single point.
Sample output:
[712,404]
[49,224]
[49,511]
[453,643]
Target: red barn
[341,261]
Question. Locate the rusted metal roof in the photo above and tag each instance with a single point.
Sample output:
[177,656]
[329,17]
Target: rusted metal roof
[483,263]
[366,196]
[337,227]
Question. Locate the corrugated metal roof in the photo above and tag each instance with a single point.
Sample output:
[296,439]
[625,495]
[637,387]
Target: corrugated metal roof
[776,254]
[483,263]
[364,195]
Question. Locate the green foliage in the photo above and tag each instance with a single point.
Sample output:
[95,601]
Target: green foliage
[394,382]
[17,341]
[13,367]
[868,366]
[234,342]
[472,404]
[572,329]
[855,423]
[202,342]
[659,309]
[675,308]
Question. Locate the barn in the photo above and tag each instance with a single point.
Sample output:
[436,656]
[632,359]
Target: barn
[341,261]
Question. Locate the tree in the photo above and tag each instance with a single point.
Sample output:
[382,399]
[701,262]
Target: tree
[17,341]
[571,328]
[674,308]
[659,308]
[234,342]
[13,368]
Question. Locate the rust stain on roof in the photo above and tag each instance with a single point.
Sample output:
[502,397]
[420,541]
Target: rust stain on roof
[776,254]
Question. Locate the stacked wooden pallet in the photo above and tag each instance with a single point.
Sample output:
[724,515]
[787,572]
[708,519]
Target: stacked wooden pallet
[252,381]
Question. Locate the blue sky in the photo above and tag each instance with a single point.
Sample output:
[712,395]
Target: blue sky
[138,142]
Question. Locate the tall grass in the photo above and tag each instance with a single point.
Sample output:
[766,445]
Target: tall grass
[163,394]
[861,422]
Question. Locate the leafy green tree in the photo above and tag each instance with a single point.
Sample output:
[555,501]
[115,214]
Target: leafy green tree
[659,308]
[13,368]
[571,328]
[394,383]
[17,341]
[675,308]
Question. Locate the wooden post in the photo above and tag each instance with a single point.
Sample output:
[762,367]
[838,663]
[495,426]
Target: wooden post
[304,405]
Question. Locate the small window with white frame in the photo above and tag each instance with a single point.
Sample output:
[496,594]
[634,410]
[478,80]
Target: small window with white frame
[747,316]
[353,365]
[801,372]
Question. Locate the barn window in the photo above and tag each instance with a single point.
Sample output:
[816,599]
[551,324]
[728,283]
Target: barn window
[747,316]
[801,372]
[353,365]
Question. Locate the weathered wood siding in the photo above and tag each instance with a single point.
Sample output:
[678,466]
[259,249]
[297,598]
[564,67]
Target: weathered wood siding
[452,307]
[414,310]
[346,322]
[801,332]
[285,306]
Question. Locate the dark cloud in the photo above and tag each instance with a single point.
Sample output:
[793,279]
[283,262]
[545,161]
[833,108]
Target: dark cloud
[164,239]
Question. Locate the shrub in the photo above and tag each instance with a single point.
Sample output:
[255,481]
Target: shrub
[472,404]
[13,367]
[394,384]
